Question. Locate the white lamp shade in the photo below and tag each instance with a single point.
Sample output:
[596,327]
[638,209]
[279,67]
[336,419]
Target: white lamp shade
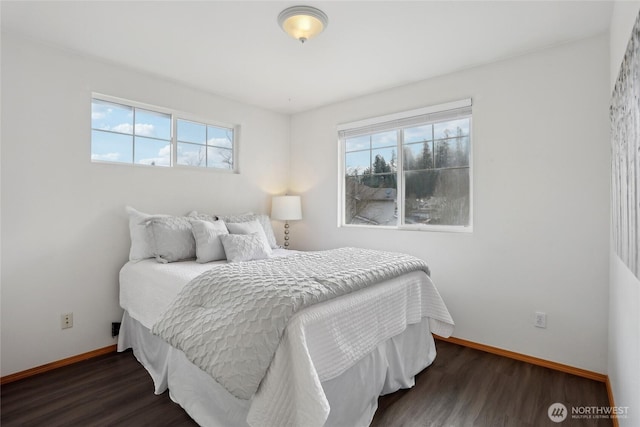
[286,208]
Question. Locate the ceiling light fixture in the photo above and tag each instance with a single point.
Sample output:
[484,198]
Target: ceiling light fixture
[303,22]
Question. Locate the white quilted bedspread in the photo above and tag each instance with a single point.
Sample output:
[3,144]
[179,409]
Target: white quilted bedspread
[323,341]
[229,320]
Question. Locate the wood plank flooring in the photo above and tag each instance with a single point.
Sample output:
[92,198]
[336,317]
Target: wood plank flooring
[463,387]
[467,387]
[110,390]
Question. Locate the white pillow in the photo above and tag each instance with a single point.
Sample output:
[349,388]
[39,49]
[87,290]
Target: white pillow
[142,245]
[173,238]
[264,221]
[250,227]
[208,244]
[244,247]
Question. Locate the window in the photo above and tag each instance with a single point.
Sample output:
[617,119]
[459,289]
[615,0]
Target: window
[428,186]
[127,132]
[204,146]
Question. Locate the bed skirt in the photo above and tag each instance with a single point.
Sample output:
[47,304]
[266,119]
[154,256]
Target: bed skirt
[352,396]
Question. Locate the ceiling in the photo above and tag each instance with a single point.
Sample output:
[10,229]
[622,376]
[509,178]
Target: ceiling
[236,49]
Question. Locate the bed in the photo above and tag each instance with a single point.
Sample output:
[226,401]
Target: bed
[331,363]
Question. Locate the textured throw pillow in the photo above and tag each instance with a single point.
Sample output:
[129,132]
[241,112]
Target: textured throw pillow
[208,244]
[249,227]
[244,247]
[173,238]
[142,245]
[264,221]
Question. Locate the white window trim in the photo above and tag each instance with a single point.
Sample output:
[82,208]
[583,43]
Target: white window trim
[389,118]
[175,115]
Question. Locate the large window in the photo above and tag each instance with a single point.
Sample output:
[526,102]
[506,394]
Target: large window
[427,186]
[126,132]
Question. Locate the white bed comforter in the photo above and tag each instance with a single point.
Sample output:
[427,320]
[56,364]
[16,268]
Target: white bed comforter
[319,344]
[228,321]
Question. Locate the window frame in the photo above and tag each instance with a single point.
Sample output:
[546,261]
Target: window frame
[175,115]
[384,123]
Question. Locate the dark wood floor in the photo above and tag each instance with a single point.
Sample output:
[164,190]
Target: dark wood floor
[463,387]
[466,387]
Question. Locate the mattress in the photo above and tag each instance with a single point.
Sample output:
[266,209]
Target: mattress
[147,287]
[320,346]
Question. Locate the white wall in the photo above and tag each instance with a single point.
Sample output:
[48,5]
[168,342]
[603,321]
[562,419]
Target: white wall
[624,292]
[541,174]
[64,230]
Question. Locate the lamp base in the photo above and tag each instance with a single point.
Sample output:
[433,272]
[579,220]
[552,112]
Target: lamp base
[286,234]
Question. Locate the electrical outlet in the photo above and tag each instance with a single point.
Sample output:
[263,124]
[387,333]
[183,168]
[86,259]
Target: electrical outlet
[540,320]
[66,320]
[115,329]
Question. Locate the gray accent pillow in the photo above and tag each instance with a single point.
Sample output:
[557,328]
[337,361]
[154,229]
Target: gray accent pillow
[244,247]
[173,238]
[264,221]
[208,244]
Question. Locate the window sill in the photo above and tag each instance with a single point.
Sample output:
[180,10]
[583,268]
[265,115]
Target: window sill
[414,227]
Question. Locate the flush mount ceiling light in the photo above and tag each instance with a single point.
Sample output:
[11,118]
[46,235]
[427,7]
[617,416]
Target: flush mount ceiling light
[303,22]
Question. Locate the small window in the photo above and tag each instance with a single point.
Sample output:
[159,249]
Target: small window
[428,186]
[131,133]
[126,134]
[204,145]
